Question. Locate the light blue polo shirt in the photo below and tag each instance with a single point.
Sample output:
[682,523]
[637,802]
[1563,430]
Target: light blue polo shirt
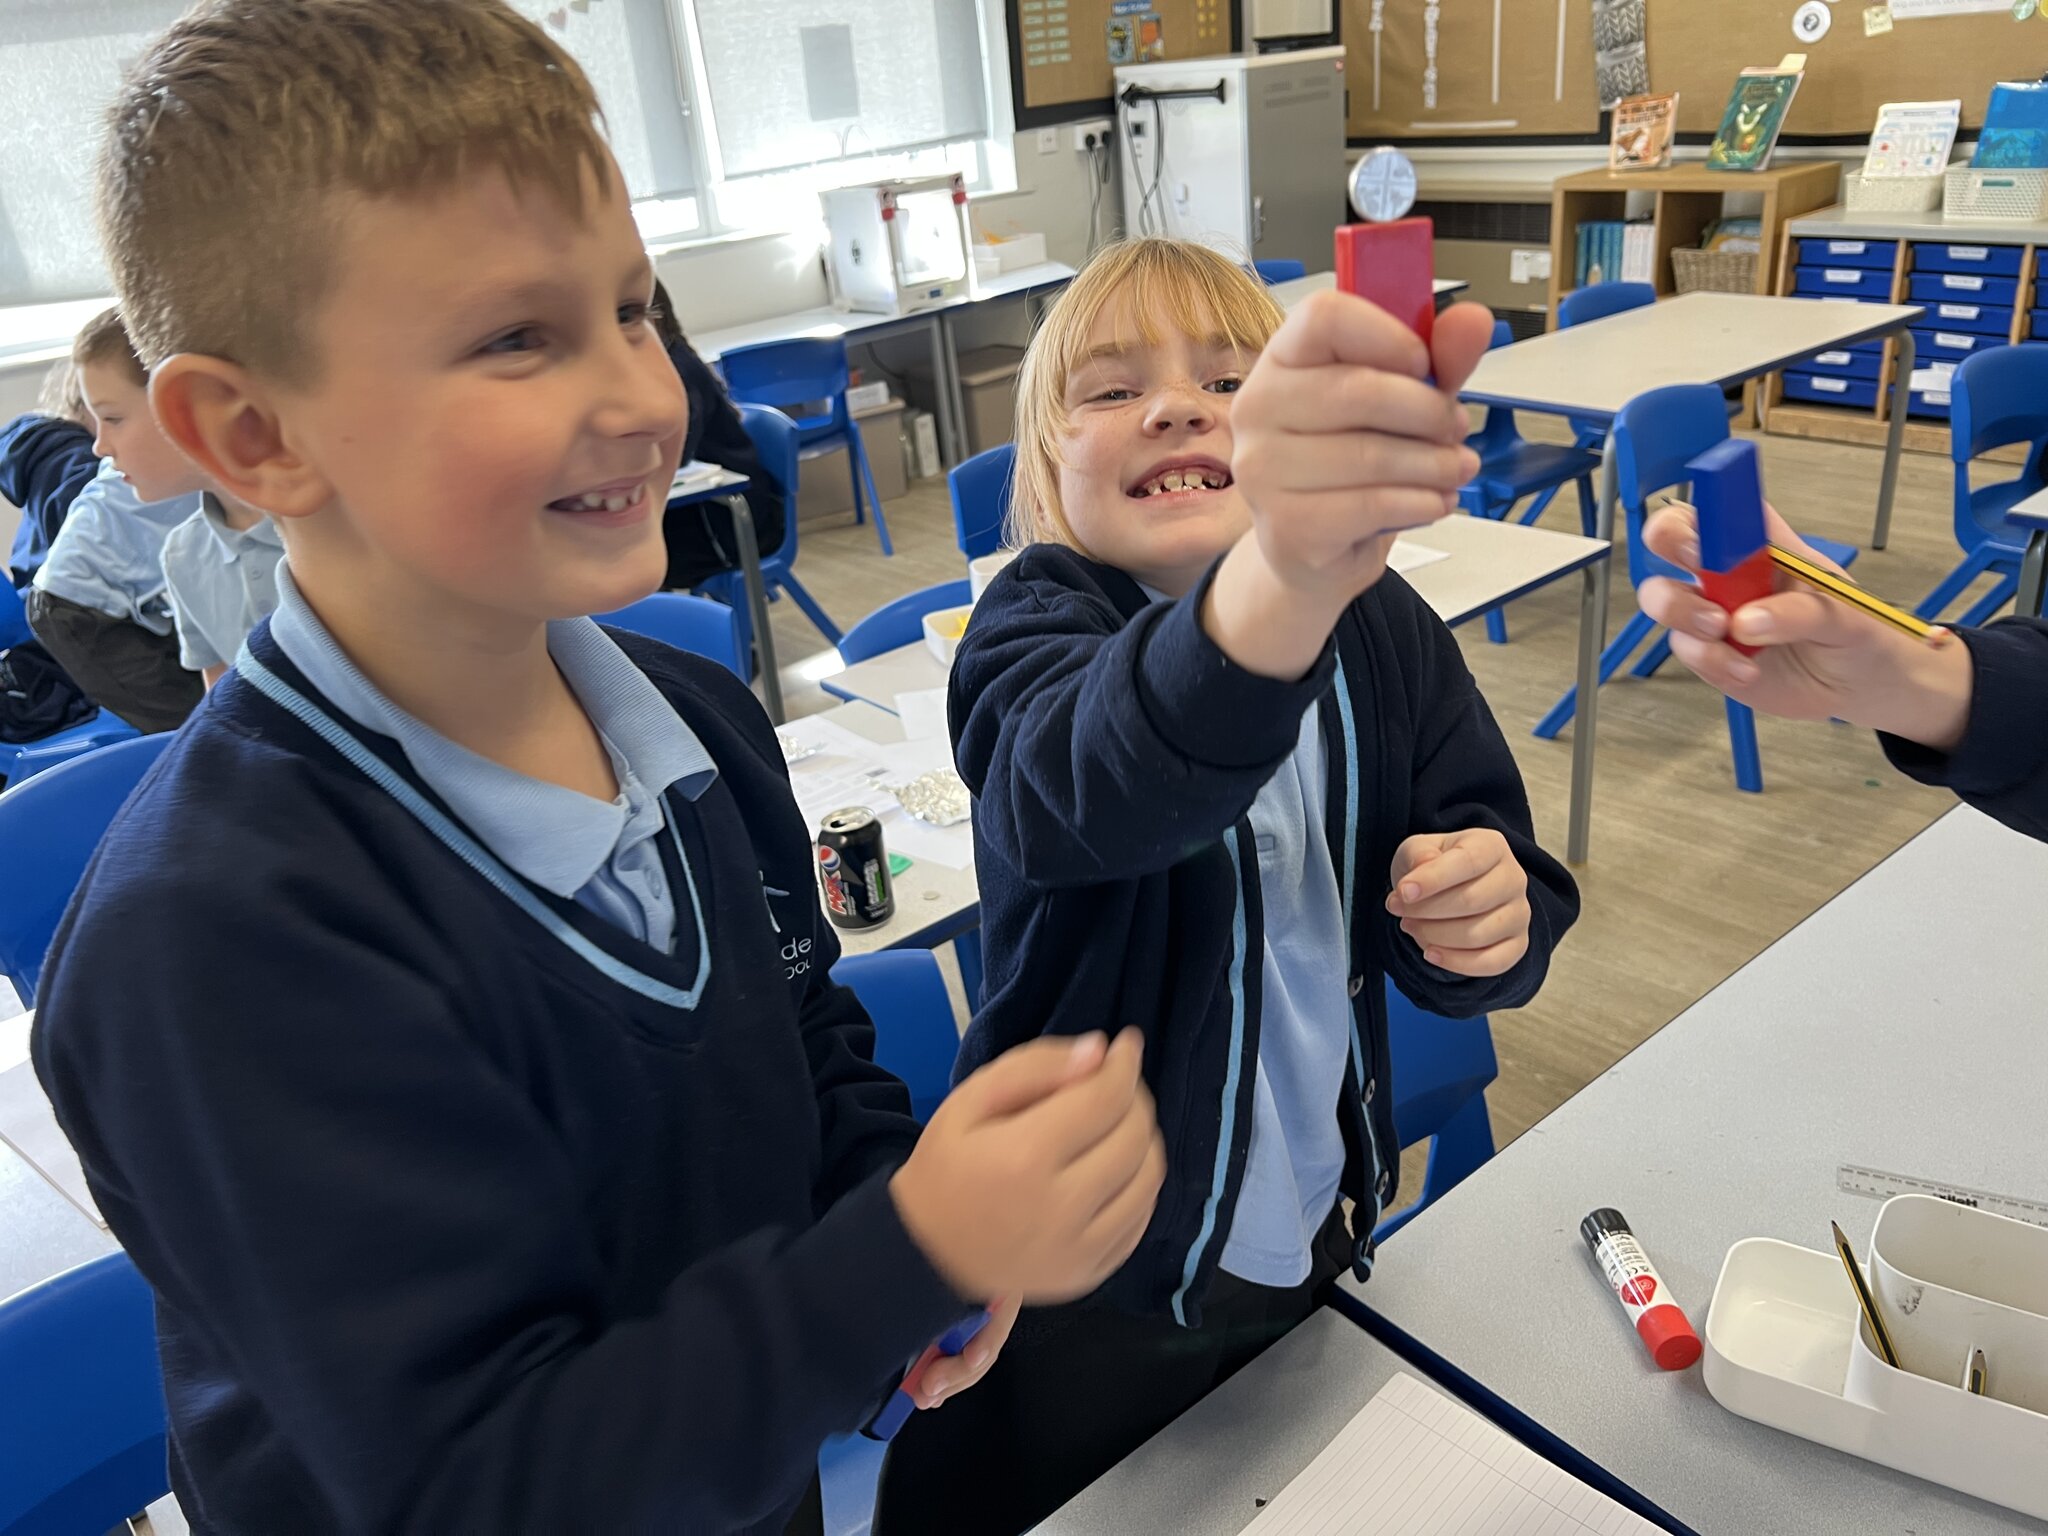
[109,555]
[604,854]
[221,580]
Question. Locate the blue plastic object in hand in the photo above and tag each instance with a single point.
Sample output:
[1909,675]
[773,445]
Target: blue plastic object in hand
[896,1412]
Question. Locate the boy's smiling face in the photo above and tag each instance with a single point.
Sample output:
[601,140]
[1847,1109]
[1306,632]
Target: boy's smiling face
[489,407]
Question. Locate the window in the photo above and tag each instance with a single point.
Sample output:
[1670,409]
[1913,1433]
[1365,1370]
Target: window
[803,82]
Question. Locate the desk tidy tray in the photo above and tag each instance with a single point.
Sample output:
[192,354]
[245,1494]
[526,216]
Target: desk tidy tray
[1786,1346]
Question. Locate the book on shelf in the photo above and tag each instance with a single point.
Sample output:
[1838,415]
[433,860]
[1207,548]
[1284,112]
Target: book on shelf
[1643,131]
[1753,119]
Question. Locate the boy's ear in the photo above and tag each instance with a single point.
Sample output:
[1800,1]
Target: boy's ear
[227,424]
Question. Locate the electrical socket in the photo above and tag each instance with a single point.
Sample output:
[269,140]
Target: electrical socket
[1048,141]
[1096,128]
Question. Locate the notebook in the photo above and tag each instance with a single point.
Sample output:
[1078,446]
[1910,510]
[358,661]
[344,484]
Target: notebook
[1415,1462]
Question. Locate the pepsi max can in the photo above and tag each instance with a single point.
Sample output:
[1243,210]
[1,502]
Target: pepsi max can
[853,869]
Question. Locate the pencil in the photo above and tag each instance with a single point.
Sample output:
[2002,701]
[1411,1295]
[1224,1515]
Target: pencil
[1848,592]
[1865,1300]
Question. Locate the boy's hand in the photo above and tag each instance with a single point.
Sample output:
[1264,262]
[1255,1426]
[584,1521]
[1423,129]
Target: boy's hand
[1817,659]
[1464,899]
[1036,1176]
[1338,443]
[946,1376]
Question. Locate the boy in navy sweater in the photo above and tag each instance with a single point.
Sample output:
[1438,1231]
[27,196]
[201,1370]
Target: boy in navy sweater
[509,1162]
[1230,776]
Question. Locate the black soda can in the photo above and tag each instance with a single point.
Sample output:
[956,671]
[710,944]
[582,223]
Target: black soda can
[853,869]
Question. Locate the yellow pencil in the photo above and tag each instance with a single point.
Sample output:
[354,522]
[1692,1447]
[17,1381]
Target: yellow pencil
[1848,592]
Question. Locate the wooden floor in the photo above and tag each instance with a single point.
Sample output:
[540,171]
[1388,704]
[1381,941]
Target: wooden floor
[1688,877]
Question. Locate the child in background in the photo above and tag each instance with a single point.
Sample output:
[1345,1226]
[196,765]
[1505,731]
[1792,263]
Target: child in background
[700,536]
[1230,775]
[46,459]
[99,604]
[492,1169]
[220,568]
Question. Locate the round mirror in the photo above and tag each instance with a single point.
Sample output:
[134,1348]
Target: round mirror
[1382,184]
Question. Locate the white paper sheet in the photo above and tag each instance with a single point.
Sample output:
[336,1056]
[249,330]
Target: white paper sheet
[1406,555]
[1416,1462]
[1917,10]
[29,1125]
[848,769]
[923,713]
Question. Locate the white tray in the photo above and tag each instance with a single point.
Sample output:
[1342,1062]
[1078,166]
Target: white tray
[1786,1346]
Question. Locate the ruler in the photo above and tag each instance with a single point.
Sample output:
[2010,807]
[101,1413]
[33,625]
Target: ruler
[1852,1179]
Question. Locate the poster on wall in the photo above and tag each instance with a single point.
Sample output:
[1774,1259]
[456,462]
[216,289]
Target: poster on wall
[1621,62]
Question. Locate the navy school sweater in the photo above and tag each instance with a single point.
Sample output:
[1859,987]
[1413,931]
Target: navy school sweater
[464,1210]
[1114,752]
[2001,764]
[45,462]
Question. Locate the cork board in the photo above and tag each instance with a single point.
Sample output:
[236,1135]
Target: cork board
[1525,86]
[1529,88]
[1063,53]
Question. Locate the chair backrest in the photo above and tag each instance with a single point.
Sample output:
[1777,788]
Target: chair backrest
[805,371]
[1599,300]
[980,488]
[1998,396]
[1438,1064]
[901,622]
[1655,436]
[1279,269]
[82,1411]
[776,440]
[1496,431]
[14,628]
[49,827]
[915,1036]
[700,625]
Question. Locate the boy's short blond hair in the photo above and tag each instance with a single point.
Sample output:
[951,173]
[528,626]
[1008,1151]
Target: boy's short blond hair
[237,138]
[63,395]
[1156,284]
[104,339]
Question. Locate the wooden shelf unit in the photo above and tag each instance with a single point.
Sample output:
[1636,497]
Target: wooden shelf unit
[1687,198]
[1868,425]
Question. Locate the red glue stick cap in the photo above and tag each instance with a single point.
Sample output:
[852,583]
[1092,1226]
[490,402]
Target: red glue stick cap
[1672,1343]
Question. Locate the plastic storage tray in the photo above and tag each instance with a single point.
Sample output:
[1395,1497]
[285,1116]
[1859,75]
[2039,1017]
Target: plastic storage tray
[1871,284]
[1962,287]
[2002,260]
[1786,1346]
[1848,253]
[1829,389]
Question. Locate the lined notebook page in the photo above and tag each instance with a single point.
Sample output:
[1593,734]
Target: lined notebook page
[1415,1463]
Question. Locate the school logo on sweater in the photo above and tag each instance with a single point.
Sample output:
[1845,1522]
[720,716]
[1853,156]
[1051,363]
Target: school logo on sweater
[796,950]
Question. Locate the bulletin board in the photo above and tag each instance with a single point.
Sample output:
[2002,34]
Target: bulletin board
[1529,85]
[1064,53]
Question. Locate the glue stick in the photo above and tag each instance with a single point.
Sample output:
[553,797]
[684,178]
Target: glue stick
[1659,1320]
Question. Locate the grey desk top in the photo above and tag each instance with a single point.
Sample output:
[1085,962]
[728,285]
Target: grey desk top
[1201,1475]
[1899,1028]
[1697,338]
[2030,511]
[1841,223]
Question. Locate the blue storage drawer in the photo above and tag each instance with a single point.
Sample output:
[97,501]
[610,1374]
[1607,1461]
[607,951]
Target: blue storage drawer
[1952,315]
[1948,346]
[1828,389]
[1985,260]
[1864,362]
[1934,405]
[1850,253]
[1871,284]
[1962,288]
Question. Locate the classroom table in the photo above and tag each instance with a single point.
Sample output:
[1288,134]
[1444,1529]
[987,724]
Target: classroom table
[1489,563]
[42,1233]
[2032,515]
[708,482]
[1295,289]
[1589,372]
[1898,1028]
[860,328]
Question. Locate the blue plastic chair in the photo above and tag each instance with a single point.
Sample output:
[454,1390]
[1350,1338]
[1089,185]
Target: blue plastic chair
[915,1038]
[803,375]
[1279,269]
[900,623]
[1511,467]
[774,437]
[1440,1069]
[1998,396]
[1597,301]
[49,828]
[980,488]
[1655,437]
[702,626]
[24,759]
[82,1413]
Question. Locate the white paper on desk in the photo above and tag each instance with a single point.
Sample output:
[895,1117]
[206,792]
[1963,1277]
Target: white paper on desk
[1405,555]
[29,1125]
[848,769]
[692,475]
[923,713]
[1416,1462]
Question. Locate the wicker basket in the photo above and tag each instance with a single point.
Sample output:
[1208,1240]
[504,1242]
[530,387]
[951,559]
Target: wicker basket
[1975,193]
[1714,271]
[1893,194]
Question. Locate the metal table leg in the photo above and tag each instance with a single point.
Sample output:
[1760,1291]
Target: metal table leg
[757,604]
[1592,640]
[944,387]
[1895,433]
[2033,574]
